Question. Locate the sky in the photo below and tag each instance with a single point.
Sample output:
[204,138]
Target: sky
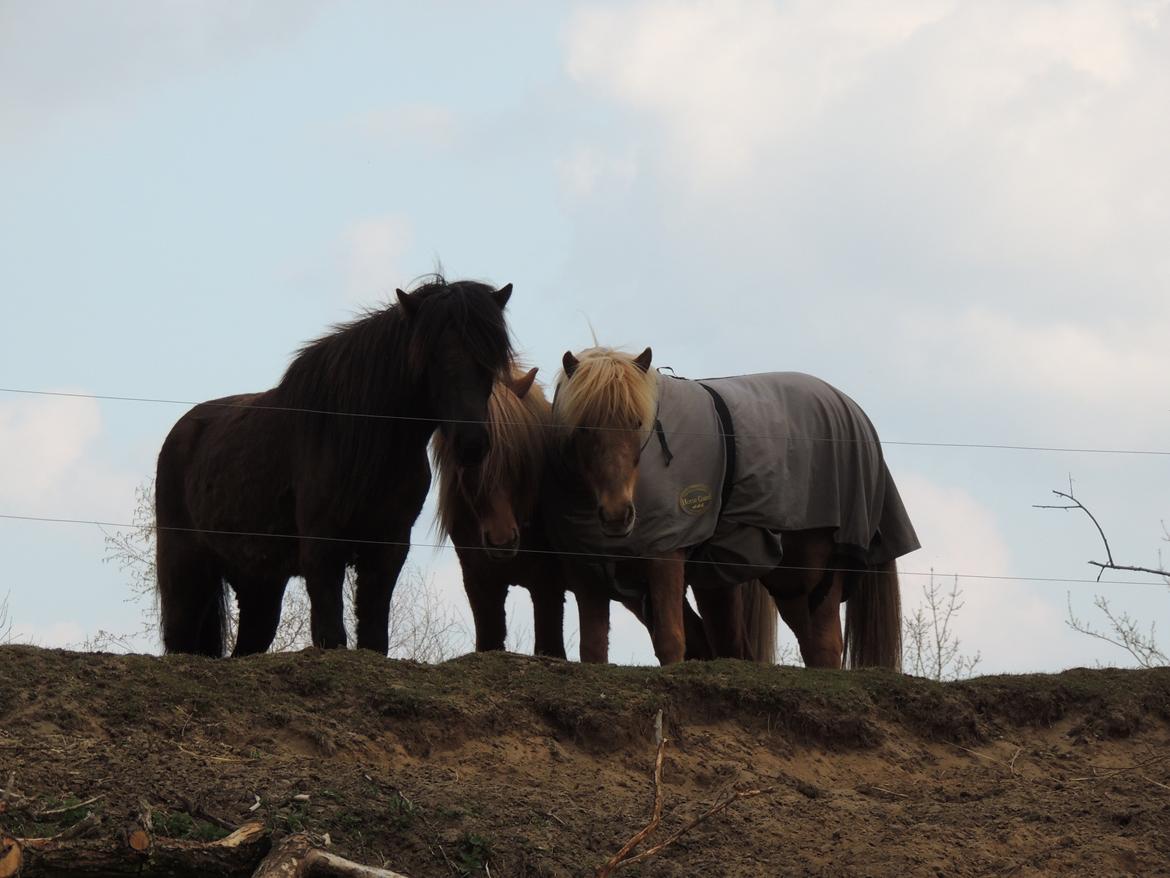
[956,212]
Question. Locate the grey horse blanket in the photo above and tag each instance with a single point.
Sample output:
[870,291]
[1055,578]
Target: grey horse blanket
[735,462]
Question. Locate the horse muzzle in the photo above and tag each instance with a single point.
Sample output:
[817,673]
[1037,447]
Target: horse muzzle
[618,527]
[502,551]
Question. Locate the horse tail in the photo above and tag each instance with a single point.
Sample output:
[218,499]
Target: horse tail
[873,620]
[759,616]
[192,597]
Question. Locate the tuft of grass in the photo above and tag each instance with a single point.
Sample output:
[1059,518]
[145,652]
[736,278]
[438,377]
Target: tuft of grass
[472,853]
[401,813]
[179,824]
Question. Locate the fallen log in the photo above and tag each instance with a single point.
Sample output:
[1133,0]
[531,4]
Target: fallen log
[135,852]
[246,852]
[297,857]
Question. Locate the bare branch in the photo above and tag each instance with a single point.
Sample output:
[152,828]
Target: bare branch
[1078,505]
[1153,570]
[1124,631]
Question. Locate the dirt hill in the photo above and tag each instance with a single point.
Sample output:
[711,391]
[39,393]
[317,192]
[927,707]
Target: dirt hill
[513,766]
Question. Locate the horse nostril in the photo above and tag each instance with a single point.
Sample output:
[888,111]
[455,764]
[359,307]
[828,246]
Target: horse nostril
[626,520]
[510,543]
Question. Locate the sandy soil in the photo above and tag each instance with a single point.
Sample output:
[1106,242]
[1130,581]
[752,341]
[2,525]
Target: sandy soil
[513,766]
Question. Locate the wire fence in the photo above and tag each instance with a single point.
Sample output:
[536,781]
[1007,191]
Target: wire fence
[579,556]
[583,556]
[275,409]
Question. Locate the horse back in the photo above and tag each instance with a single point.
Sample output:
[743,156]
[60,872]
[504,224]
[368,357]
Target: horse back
[223,469]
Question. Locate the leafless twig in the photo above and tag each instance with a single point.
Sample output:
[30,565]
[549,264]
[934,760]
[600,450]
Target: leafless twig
[623,857]
[655,817]
[710,812]
[1124,631]
[1074,503]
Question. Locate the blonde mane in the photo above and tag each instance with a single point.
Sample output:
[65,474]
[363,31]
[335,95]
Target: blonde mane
[606,390]
[519,433]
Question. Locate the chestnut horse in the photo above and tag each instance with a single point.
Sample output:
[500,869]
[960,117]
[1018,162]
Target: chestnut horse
[612,408]
[493,516]
[325,470]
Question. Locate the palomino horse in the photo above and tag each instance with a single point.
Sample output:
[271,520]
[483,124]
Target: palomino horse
[327,469]
[776,476]
[492,514]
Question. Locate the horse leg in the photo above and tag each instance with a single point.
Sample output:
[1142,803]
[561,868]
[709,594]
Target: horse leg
[324,576]
[808,592]
[668,593]
[192,601]
[722,613]
[548,620]
[815,619]
[593,611]
[824,635]
[259,602]
[487,596]
[698,645]
[377,570]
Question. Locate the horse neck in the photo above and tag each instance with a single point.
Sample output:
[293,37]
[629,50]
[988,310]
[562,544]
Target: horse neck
[360,369]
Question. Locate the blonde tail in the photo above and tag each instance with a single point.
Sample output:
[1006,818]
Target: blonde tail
[873,621]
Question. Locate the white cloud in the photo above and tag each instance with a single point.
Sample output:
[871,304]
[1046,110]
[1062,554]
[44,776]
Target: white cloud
[373,254]
[41,442]
[971,196]
[1006,132]
[52,462]
[1006,622]
[989,349]
[958,534]
[729,78]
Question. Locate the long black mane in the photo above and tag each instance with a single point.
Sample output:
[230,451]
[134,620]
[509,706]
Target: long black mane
[349,380]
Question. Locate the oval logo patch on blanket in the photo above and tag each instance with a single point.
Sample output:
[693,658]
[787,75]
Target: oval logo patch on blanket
[695,499]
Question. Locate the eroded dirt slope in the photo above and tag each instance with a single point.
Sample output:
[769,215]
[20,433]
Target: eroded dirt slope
[529,767]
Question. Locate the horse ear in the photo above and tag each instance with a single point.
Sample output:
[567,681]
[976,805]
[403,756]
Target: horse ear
[642,361]
[408,305]
[570,363]
[520,386]
[502,295]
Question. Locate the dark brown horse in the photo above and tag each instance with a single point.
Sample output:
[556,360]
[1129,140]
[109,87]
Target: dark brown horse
[327,469]
[612,407]
[487,512]
[493,516]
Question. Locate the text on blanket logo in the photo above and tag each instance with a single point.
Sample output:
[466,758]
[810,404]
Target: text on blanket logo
[695,499]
